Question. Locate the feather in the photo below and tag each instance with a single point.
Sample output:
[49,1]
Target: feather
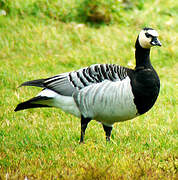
[35,102]
[67,83]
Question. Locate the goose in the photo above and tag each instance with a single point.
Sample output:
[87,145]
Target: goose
[107,93]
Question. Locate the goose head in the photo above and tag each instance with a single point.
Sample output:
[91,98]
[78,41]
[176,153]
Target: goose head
[148,37]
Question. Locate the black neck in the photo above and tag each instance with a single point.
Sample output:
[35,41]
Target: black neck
[142,56]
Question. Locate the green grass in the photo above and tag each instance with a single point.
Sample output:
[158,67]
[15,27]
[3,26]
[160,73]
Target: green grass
[43,143]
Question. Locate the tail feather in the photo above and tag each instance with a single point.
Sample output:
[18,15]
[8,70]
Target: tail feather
[37,82]
[35,102]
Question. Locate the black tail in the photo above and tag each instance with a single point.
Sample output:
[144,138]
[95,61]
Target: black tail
[35,102]
[38,83]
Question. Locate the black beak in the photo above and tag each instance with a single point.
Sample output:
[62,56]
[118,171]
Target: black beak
[155,42]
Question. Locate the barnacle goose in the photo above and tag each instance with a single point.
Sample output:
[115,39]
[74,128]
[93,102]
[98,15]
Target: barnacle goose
[107,93]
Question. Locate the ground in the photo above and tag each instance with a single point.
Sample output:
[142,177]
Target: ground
[44,143]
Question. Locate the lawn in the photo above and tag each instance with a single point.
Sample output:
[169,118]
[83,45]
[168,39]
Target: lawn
[44,143]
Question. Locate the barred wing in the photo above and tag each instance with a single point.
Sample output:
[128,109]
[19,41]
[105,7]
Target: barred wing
[66,83]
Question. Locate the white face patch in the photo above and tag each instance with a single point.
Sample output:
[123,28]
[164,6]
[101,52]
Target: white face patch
[145,42]
[152,32]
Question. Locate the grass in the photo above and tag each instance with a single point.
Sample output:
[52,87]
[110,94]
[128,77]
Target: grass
[43,143]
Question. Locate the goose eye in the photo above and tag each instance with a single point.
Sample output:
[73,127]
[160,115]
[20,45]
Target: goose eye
[147,35]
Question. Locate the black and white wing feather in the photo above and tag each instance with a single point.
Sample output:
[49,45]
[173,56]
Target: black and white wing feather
[66,83]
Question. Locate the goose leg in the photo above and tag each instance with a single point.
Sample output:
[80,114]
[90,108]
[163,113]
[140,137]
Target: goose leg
[84,123]
[107,130]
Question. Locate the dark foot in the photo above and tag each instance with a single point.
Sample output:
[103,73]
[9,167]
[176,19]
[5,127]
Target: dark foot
[107,130]
[84,123]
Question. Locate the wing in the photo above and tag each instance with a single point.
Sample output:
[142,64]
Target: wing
[66,83]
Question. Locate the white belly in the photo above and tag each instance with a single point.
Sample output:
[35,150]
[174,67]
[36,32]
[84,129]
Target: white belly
[66,103]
